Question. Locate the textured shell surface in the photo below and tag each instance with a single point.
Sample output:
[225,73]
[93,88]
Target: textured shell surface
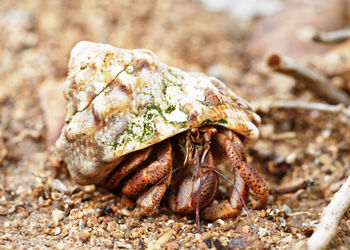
[120,101]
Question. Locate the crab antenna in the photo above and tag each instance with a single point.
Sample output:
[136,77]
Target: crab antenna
[197,157]
[234,186]
[199,196]
[198,222]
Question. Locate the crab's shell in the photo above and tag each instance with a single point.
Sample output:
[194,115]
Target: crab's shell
[121,101]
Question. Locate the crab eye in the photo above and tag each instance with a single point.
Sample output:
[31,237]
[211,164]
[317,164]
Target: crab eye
[213,131]
[194,132]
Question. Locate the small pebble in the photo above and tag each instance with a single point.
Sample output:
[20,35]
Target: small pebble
[262,213]
[60,246]
[287,239]
[141,244]
[262,232]
[164,238]
[238,243]
[218,245]
[57,231]
[67,212]
[245,229]
[15,223]
[59,186]
[56,196]
[250,239]
[190,222]
[84,237]
[100,231]
[207,242]
[68,202]
[124,212]
[108,209]
[89,188]
[81,224]
[286,209]
[326,133]
[282,221]
[169,222]
[57,216]
[86,198]
[291,158]
[6,224]
[220,221]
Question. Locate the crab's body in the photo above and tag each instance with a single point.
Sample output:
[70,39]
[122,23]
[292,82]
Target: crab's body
[122,101]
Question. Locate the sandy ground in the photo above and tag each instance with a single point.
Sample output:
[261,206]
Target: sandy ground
[40,206]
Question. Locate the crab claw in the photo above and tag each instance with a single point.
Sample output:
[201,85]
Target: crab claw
[185,201]
[203,188]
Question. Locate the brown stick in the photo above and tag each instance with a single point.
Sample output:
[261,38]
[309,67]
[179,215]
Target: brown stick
[293,188]
[265,106]
[336,36]
[315,81]
[330,218]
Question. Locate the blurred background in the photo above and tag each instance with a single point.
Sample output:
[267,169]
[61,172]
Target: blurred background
[229,39]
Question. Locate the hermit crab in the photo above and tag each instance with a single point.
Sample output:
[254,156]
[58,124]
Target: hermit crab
[143,128]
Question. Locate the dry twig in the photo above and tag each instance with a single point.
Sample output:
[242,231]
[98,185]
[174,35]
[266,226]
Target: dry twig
[296,104]
[294,188]
[336,36]
[330,218]
[315,81]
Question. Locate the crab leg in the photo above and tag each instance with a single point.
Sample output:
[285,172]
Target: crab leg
[127,166]
[149,201]
[152,173]
[233,148]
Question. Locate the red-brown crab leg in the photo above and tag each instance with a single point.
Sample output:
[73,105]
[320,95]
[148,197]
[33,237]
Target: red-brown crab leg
[149,201]
[150,175]
[127,166]
[233,147]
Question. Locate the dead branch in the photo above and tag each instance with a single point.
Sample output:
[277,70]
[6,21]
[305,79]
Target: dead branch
[330,218]
[293,188]
[315,81]
[265,106]
[336,36]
